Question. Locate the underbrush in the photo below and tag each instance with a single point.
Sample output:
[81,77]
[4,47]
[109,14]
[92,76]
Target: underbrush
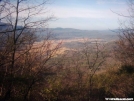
[114,83]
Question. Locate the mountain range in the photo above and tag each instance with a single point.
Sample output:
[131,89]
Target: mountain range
[69,33]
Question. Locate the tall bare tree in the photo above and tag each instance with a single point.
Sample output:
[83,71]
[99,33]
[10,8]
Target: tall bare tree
[125,45]
[94,55]
[23,60]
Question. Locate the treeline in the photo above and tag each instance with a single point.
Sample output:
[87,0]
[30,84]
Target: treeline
[34,71]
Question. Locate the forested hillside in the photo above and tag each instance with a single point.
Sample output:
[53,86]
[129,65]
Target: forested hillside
[61,64]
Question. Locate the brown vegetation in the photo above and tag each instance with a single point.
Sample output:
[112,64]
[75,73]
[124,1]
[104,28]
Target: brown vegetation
[32,71]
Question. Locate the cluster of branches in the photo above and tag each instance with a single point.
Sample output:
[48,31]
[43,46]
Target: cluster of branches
[76,80]
[23,64]
[125,45]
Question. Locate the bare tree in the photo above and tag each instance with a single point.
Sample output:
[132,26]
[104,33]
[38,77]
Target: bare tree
[81,65]
[23,61]
[94,55]
[125,45]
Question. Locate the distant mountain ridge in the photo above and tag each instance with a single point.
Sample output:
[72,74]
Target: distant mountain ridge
[70,33]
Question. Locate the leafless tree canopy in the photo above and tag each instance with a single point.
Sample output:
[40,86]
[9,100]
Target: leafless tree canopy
[23,61]
[30,69]
[125,44]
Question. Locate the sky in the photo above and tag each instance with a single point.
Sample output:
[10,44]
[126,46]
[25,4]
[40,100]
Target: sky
[88,14]
[84,14]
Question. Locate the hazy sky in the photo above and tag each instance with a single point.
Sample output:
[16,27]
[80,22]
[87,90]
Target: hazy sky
[88,14]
